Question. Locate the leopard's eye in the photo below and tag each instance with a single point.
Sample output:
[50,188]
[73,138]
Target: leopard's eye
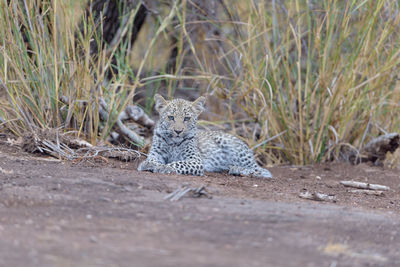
[186,119]
[171,118]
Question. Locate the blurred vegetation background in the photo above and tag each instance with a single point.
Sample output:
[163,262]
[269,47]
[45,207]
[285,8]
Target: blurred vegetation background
[300,81]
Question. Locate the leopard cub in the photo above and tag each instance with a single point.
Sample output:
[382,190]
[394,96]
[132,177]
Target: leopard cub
[178,147]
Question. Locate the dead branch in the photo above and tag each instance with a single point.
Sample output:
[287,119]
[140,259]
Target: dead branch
[317,196]
[362,185]
[131,112]
[367,192]
[123,154]
[377,148]
[64,152]
[63,146]
[131,135]
[137,114]
[374,151]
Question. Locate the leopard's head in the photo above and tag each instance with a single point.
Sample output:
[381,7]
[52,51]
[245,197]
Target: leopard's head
[178,117]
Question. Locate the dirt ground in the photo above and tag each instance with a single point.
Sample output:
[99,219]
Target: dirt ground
[58,213]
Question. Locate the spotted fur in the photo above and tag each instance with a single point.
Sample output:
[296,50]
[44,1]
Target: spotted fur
[178,147]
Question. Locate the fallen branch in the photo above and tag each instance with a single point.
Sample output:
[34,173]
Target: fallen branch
[367,192]
[123,154]
[374,151]
[317,196]
[63,146]
[185,189]
[362,185]
[377,148]
[131,135]
[137,114]
[132,112]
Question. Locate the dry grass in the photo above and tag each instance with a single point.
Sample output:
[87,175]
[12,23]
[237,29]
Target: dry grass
[49,78]
[316,75]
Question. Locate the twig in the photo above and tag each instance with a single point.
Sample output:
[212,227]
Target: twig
[362,185]
[181,192]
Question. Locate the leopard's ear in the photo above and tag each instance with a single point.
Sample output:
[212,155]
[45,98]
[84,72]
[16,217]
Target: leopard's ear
[198,105]
[160,102]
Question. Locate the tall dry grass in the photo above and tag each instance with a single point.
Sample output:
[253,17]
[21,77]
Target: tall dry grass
[317,76]
[49,79]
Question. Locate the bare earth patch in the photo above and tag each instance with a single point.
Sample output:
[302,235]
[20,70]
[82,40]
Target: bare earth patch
[56,213]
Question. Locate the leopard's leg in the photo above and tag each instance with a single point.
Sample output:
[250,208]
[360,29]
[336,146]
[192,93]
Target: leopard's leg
[190,167]
[155,166]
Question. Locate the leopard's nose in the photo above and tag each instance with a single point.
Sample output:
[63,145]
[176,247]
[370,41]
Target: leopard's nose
[178,132]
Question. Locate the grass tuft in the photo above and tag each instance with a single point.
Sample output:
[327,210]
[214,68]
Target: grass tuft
[314,75]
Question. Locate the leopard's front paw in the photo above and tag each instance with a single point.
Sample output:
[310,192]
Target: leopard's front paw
[235,170]
[166,169]
[147,166]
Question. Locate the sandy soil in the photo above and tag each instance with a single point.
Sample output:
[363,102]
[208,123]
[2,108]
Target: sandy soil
[56,213]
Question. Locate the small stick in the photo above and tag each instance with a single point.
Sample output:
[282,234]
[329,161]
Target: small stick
[201,191]
[181,192]
[362,185]
[172,194]
[317,196]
